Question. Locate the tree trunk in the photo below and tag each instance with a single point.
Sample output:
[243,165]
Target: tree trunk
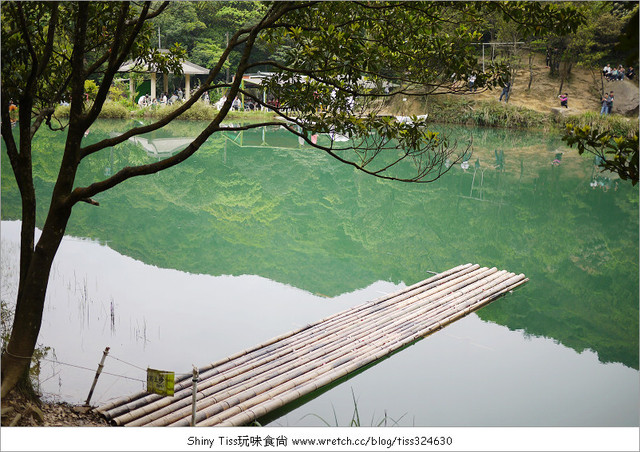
[530,71]
[565,72]
[30,304]
[512,80]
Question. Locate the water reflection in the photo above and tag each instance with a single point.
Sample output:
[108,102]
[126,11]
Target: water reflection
[484,373]
[260,203]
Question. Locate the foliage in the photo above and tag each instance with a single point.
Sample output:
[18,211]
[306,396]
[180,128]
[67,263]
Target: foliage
[616,153]
[90,89]
[118,92]
[110,109]
[616,125]
[202,28]
[594,42]
[114,110]
[61,111]
[54,49]
[343,53]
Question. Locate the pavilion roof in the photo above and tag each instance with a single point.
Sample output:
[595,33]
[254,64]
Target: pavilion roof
[139,66]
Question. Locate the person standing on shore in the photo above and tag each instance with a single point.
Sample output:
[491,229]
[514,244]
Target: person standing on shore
[505,92]
[603,101]
[564,98]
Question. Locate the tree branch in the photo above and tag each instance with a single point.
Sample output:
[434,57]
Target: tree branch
[80,193]
[274,14]
[7,134]
[48,48]
[114,62]
[152,14]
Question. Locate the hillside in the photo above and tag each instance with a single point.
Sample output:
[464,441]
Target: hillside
[583,88]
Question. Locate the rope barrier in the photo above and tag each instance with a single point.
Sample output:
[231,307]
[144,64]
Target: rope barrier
[144,370]
[93,370]
[123,361]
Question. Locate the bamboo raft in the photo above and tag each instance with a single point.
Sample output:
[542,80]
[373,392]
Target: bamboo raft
[244,387]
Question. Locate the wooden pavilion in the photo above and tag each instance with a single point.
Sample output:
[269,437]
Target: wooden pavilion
[188,69]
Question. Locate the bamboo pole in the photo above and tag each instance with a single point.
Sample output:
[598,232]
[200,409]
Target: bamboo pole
[284,378]
[275,369]
[194,379]
[227,384]
[315,384]
[98,372]
[267,354]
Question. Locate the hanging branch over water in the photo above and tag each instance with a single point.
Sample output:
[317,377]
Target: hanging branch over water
[341,55]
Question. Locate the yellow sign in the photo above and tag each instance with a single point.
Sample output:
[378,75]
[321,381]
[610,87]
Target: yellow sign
[160,382]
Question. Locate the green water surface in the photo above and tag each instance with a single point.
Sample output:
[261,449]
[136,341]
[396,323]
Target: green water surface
[260,203]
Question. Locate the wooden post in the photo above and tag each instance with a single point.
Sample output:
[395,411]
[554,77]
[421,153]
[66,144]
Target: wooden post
[187,87]
[165,84]
[227,78]
[194,392]
[242,94]
[153,86]
[95,379]
[132,90]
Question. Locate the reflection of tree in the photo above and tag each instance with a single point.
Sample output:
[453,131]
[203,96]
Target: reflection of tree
[297,217]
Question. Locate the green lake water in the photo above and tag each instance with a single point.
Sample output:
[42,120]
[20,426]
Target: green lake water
[287,234]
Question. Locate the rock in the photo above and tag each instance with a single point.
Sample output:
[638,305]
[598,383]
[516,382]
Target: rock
[626,96]
[560,111]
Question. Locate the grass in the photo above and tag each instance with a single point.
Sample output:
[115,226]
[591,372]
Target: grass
[355,421]
[616,124]
[456,110]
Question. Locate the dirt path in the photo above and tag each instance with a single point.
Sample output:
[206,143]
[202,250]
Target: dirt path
[583,88]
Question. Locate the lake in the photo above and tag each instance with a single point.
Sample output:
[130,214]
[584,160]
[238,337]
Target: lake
[258,234]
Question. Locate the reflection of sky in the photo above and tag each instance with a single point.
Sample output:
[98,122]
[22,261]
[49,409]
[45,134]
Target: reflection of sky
[472,373]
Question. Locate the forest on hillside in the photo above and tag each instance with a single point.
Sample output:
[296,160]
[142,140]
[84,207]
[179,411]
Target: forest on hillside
[609,35]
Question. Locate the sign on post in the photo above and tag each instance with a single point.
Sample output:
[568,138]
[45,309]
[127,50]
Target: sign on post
[160,382]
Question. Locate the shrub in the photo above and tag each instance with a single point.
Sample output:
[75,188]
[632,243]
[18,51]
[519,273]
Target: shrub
[615,124]
[114,110]
[198,111]
[111,110]
[90,89]
[62,111]
[485,113]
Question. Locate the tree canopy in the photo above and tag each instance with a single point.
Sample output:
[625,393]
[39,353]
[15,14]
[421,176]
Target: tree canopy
[343,56]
